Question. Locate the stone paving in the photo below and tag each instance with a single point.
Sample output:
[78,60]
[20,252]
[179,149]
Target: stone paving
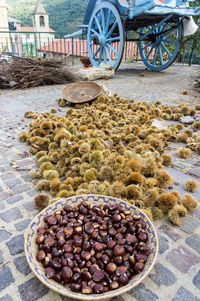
[176,275]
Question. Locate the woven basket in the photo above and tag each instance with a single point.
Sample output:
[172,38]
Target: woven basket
[31,247]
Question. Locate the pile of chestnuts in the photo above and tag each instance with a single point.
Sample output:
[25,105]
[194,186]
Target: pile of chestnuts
[91,248]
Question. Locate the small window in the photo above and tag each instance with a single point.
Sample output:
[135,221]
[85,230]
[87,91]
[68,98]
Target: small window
[42,21]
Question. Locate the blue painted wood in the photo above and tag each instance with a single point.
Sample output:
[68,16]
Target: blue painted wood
[140,9]
[88,11]
[146,7]
[180,11]
[101,14]
[105,28]
[159,52]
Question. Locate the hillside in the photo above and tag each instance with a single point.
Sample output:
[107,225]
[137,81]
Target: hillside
[64,15]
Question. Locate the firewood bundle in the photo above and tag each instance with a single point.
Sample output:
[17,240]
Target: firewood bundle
[27,72]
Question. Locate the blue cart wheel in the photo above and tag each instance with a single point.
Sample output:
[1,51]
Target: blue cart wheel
[106,36]
[160,45]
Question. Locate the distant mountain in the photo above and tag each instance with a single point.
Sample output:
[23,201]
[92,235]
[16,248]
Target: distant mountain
[64,15]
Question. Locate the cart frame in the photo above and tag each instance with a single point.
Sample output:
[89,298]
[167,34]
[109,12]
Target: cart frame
[108,22]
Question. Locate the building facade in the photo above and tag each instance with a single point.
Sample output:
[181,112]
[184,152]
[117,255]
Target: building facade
[4,37]
[40,19]
[25,40]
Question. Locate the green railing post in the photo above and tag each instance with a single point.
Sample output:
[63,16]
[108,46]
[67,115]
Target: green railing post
[31,50]
[7,44]
[10,40]
[35,38]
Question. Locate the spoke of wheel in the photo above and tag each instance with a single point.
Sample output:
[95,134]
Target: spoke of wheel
[169,41]
[166,50]
[107,22]
[103,20]
[112,48]
[164,26]
[112,28]
[104,56]
[155,56]
[100,55]
[109,57]
[148,55]
[147,45]
[168,32]
[147,33]
[113,39]
[160,54]
[96,52]
[98,24]
[94,31]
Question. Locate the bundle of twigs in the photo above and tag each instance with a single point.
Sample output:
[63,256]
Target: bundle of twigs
[27,72]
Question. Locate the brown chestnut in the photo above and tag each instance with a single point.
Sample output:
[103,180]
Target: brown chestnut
[77,241]
[41,230]
[67,248]
[49,241]
[40,255]
[68,231]
[138,267]
[85,276]
[123,279]
[105,259]
[50,273]
[99,247]
[143,236]
[75,287]
[141,257]
[111,267]
[66,273]
[111,244]
[86,290]
[118,260]
[39,239]
[118,250]
[51,220]
[98,275]
[114,285]
[98,289]
[121,270]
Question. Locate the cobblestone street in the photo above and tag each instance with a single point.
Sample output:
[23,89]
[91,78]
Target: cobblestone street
[176,275]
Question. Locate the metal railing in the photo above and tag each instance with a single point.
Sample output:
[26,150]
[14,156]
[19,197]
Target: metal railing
[34,44]
[25,43]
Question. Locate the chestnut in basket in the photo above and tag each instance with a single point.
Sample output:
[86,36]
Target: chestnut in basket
[93,249]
